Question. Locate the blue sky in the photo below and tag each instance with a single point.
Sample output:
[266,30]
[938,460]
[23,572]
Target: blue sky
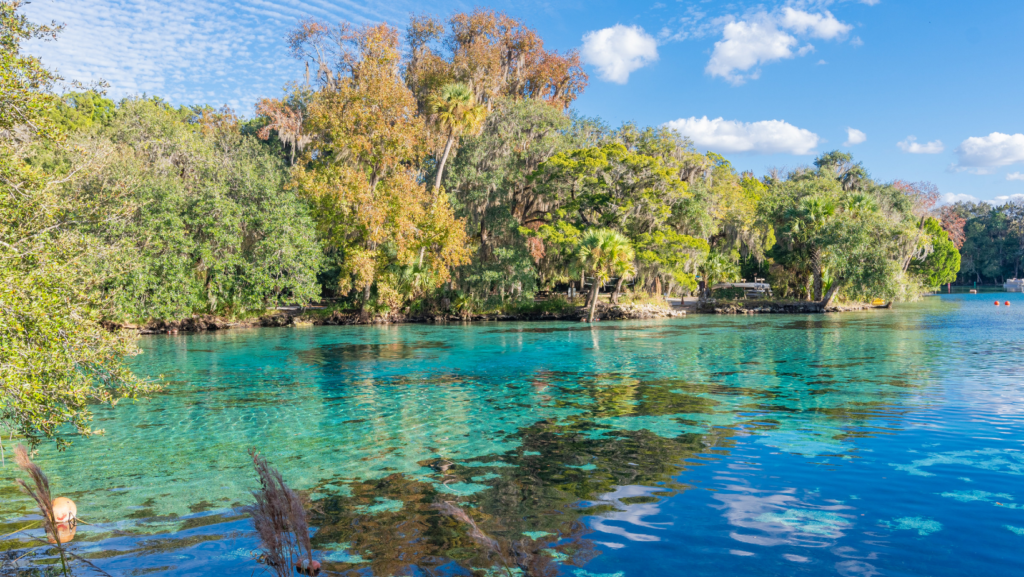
[932,89]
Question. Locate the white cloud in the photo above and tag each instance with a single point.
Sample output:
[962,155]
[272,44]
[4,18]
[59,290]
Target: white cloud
[766,37]
[856,41]
[745,45]
[1015,176]
[951,198]
[1018,198]
[982,154]
[854,136]
[870,2]
[764,137]
[824,25]
[619,50]
[913,147]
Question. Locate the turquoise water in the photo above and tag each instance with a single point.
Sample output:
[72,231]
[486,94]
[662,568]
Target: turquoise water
[874,443]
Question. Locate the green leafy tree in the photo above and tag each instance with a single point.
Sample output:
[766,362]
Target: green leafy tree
[810,225]
[55,357]
[504,208]
[942,263]
[212,228]
[718,267]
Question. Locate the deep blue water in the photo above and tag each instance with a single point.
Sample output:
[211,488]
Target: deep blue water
[875,443]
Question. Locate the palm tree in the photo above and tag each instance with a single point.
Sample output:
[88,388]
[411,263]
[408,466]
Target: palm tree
[810,220]
[717,267]
[601,254]
[455,111]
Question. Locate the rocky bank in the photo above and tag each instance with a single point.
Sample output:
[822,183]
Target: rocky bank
[203,323]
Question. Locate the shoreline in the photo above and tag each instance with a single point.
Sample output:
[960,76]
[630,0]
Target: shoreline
[282,318]
[754,307]
[295,318]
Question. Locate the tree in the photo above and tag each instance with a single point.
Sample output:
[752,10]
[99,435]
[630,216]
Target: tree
[840,166]
[602,254]
[361,171]
[493,54]
[286,120]
[865,259]
[942,263]
[718,267]
[849,240]
[55,357]
[455,112]
[212,228]
[492,189]
[810,223]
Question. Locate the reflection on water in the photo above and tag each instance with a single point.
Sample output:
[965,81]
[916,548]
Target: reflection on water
[863,444]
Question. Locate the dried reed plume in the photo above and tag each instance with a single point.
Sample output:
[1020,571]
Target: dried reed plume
[41,494]
[280,520]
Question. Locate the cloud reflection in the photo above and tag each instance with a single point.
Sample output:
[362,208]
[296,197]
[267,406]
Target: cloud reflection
[630,513]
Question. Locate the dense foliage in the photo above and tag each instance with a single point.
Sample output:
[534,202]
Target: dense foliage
[211,226]
[992,240]
[55,358]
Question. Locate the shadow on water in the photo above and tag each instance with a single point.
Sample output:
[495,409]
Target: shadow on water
[358,352]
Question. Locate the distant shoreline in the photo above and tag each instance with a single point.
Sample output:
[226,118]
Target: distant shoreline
[297,318]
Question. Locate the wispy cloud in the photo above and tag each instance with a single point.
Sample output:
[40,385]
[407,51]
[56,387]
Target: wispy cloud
[217,52]
[912,146]
[1007,198]
[951,198]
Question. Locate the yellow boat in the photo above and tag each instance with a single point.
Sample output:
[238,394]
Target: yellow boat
[878,302]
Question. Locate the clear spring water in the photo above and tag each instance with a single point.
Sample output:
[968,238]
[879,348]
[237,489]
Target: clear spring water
[861,444]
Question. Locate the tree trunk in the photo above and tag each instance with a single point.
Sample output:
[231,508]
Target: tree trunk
[816,269]
[657,285]
[594,292]
[364,312]
[825,302]
[444,159]
[615,293]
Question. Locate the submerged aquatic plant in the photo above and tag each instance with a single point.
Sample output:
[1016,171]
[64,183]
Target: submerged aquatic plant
[40,492]
[525,555]
[280,522]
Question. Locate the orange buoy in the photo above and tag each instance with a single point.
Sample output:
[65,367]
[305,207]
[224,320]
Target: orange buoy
[64,510]
[1007,303]
[65,532]
[997,303]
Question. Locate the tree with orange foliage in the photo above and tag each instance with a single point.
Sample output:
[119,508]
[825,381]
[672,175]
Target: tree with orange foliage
[953,223]
[492,53]
[362,168]
[286,120]
[924,195]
